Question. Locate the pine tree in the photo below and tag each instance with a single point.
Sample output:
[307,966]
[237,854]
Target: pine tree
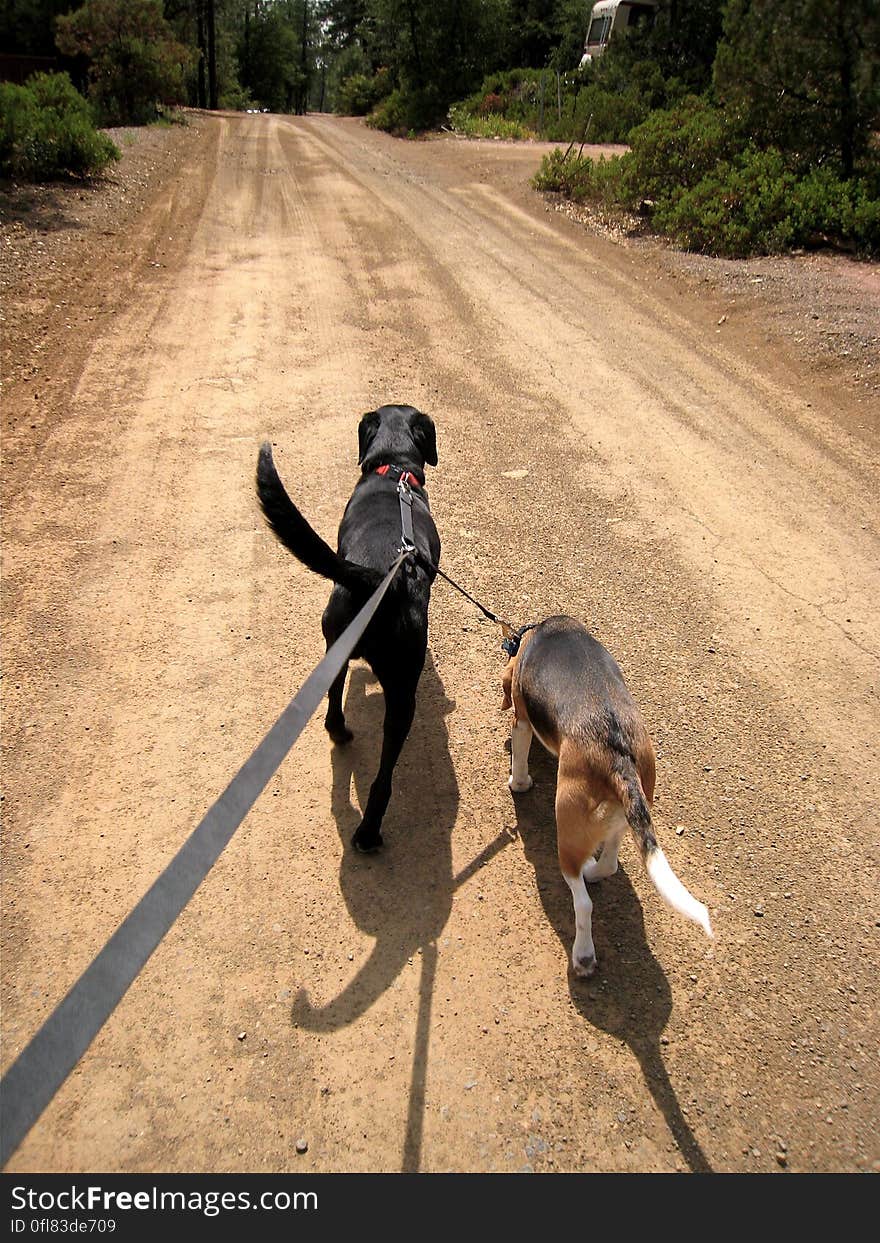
[803,75]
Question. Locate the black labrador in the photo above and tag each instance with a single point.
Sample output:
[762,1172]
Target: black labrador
[393,442]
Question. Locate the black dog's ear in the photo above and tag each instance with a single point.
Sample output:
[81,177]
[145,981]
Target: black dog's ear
[425,436]
[367,429]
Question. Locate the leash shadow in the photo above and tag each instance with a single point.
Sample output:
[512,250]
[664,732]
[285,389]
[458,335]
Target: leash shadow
[635,1005]
[402,897]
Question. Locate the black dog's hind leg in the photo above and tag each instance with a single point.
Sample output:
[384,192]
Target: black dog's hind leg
[334,721]
[336,617]
[400,707]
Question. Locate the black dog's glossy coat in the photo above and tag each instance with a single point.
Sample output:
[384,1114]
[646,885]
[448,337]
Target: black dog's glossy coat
[395,642]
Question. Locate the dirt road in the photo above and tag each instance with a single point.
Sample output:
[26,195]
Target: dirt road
[614,444]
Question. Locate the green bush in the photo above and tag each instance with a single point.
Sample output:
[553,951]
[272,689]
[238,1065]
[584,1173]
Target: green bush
[135,62]
[514,95]
[601,102]
[676,147]
[825,207]
[390,114]
[360,93]
[758,205]
[236,98]
[405,111]
[706,196]
[737,209]
[46,131]
[579,179]
[486,125]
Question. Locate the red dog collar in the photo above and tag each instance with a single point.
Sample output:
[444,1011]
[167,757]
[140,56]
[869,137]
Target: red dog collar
[398,474]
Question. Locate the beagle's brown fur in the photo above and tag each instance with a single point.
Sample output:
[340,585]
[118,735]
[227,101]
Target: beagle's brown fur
[567,689]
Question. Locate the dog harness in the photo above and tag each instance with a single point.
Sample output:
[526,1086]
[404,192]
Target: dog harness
[512,642]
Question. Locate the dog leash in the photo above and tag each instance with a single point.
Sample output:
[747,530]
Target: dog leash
[507,627]
[408,546]
[43,1065]
[512,635]
[405,496]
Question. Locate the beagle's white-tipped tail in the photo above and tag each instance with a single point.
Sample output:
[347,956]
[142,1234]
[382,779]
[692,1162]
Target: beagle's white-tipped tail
[673,891]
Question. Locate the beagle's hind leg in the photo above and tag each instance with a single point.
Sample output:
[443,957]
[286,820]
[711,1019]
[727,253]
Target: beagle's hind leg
[583,951]
[606,864]
[578,834]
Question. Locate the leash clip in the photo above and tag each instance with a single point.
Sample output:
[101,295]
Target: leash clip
[510,644]
[513,638]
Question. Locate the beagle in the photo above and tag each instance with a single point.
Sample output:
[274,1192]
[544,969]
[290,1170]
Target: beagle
[568,690]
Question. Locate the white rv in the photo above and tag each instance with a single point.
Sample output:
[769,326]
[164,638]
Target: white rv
[614,17]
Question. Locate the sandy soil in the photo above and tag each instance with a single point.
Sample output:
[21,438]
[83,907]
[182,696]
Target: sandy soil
[680,452]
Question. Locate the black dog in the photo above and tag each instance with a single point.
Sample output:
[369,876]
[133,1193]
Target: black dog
[393,442]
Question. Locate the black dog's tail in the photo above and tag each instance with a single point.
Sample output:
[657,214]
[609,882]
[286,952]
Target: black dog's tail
[305,543]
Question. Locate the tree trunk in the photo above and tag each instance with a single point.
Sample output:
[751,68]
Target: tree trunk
[302,103]
[413,34]
[847,89]
[201,90]
[212,58]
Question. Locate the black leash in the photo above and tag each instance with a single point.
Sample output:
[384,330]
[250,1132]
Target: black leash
[505,625]
[407,544]
[44,1064]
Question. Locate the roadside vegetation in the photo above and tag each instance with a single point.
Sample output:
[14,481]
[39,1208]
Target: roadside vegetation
[47,131]
[600,104]
[778,152]
[752,124]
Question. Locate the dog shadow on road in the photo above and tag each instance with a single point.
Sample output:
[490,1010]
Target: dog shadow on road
[636,1003]
[403,896]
